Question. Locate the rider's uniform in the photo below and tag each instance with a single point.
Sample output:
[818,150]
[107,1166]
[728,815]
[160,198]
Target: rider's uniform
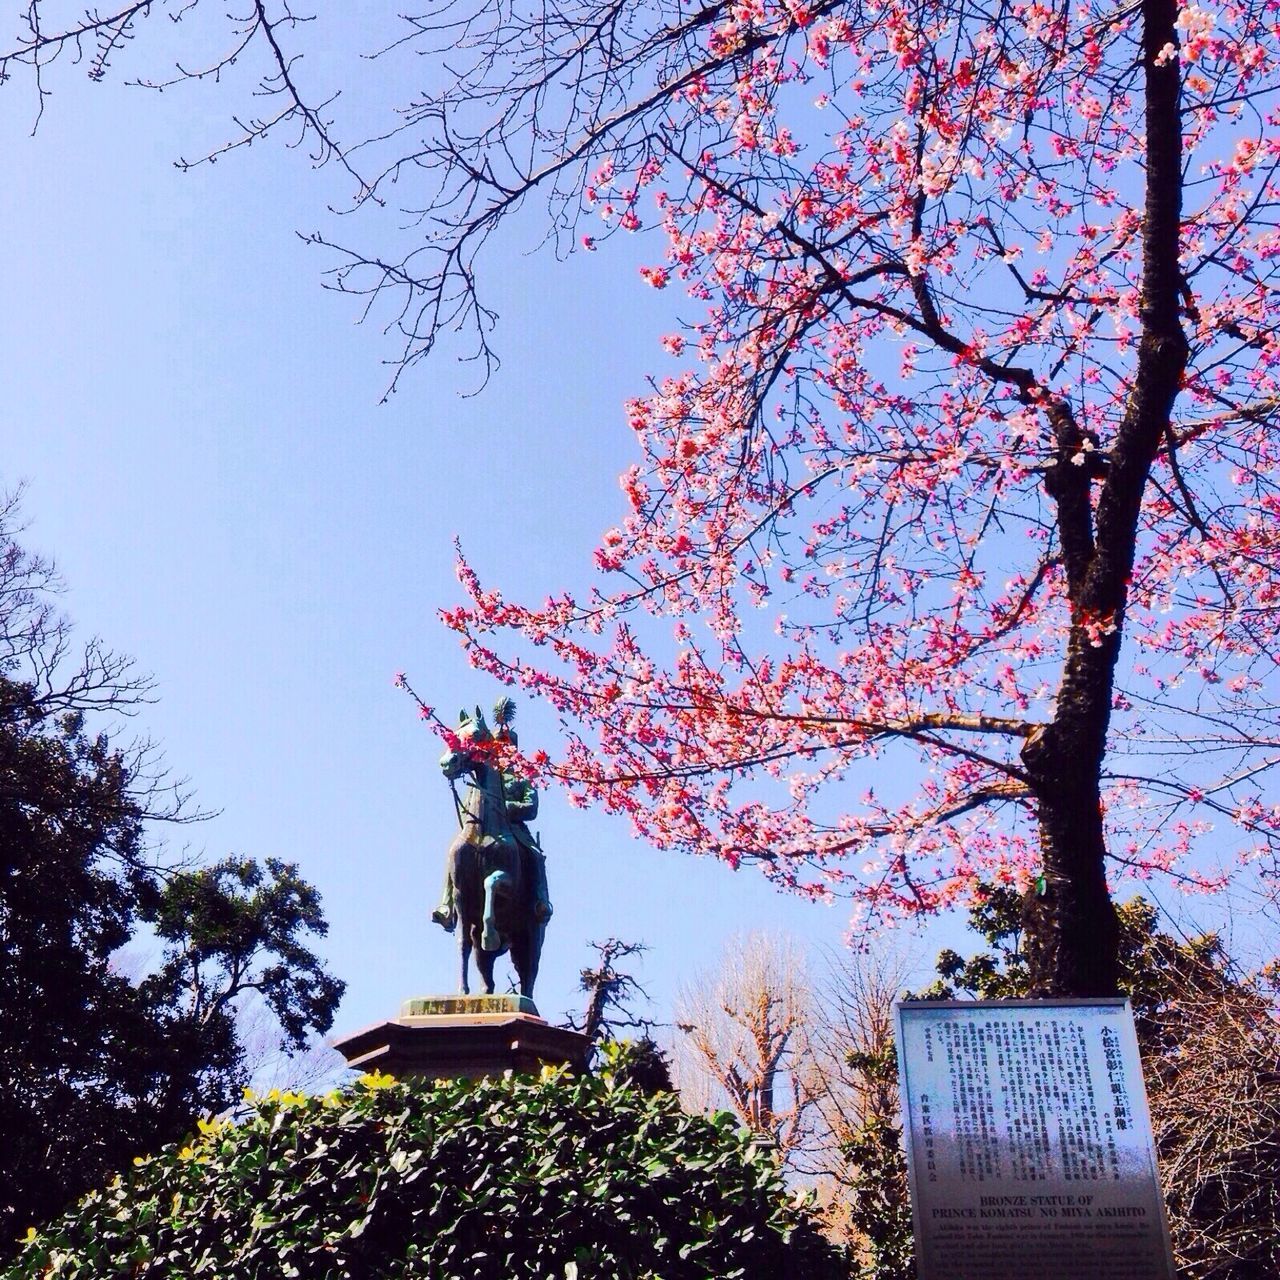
[521,800]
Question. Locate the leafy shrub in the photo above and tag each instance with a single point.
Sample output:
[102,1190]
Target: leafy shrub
[516,1177]
[641,1064]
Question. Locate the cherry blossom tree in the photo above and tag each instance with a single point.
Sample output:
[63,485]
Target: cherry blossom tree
[951,552]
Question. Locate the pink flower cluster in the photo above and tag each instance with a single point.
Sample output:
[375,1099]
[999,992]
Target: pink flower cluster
[842,604]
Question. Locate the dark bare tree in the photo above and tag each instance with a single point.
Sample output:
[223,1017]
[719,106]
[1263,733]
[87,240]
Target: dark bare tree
[612,992]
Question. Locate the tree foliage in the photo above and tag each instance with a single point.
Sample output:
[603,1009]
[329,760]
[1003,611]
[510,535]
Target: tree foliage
[804,1055]
[75,1038]
[640,1063]
[520,1177]
[96,1066]
[874,1212]
[240,926]
[861,1162]
[983,386]
[746,1040]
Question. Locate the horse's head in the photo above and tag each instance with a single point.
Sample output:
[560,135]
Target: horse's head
[472,732]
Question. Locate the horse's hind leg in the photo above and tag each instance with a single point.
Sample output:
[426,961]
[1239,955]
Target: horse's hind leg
[524,956]
[464,952]
[485,961]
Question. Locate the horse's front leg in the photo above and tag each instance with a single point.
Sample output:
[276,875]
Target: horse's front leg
[464,952]
[495,882]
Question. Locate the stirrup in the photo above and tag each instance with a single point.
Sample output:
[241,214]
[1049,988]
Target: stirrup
[446,919]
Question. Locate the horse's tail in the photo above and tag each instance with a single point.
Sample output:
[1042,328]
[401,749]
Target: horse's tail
[494,883]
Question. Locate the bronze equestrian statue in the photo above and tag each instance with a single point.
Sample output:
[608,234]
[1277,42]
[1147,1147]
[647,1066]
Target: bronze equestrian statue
[495,884]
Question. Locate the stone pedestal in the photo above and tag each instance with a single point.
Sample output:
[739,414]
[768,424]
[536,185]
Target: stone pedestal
[471,1036]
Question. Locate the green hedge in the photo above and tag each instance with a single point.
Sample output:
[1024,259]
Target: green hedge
[514,1177]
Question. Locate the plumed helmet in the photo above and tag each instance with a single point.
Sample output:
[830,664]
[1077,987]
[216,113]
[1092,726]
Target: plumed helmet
[504,712]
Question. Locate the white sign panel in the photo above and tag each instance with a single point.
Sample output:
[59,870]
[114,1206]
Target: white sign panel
[1028,1142]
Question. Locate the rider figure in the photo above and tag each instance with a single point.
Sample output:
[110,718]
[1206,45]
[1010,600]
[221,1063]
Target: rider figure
[521,800]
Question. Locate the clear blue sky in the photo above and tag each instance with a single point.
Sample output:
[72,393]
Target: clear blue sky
[199,426]
[206,457]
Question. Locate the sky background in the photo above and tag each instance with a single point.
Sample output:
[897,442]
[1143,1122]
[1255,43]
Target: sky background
[199,428]
[197,423]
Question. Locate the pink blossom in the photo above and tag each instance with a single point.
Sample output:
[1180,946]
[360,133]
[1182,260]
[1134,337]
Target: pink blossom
[837,604]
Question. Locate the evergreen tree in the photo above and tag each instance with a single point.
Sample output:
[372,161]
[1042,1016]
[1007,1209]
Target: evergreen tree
[95,1067]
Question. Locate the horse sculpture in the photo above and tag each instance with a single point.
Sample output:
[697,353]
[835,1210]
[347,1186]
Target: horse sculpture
[491,881]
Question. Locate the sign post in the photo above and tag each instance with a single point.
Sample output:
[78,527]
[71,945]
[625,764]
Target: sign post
[1028,1141]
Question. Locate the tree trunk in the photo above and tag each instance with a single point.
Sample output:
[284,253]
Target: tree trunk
[1070,924]
[1072,934]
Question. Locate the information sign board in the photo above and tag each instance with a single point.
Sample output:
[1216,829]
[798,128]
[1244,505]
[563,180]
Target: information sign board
[1028,1142]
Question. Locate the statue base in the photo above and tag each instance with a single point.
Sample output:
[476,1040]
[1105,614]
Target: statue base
[466,1006]
[464,1036]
